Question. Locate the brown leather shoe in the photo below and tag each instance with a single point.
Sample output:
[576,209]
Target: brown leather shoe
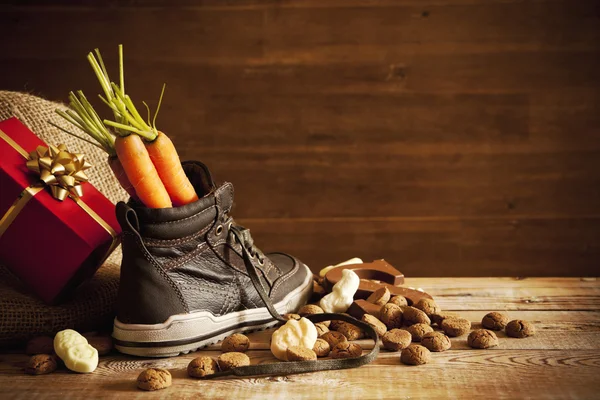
[191,276]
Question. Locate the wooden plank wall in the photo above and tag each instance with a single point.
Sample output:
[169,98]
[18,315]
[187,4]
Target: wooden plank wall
[451,137]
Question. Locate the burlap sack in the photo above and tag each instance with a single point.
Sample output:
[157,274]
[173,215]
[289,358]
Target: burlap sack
[21,315]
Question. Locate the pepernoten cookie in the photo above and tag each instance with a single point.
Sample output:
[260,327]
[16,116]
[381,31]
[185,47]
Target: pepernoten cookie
[321,348]
[352,332]
[299,353]
[436,341]
[346,350]
[428,306]
[333,338]
[154,379]
[495,321]
[376,324]
[412,315]
[482,339]
[202,366]
[41,364]
[417,331]
[396,339]
[236,342]
[519,328]
[380,297]
[232,360]
[454,327]
[391,316]
[311,309]
[415,355]
[400,301]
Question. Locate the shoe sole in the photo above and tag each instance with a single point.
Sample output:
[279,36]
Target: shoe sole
[184,333]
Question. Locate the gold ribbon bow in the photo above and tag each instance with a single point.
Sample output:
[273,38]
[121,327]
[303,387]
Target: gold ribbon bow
[61,170]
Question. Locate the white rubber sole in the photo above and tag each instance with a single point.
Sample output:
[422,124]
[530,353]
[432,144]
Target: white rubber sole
[183,333]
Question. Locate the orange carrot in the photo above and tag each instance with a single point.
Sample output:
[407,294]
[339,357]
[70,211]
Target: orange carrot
[166,161]
[141,172]
[117,169]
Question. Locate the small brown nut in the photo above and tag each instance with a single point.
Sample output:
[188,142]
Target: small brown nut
[436,341]
[495,321]
[321,329]
[411,316]
[391,316]
[154,379]
[102,343]
[299,353]
[236,342]
[396,339]
[415,355]
[376,324]
[346,350]
[400,301]
[442,315]
[334,338]
[311,309]
[454,327]
[336,322]
[202,366]
[352,332]
[417,331]
[40,345]
[321,348]
[231,360]
[380,297]
[291,316]
[428,306]
[519,328]
[41,364]
[482,339]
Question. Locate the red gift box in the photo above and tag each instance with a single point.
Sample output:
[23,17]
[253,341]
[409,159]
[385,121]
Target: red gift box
[51,245]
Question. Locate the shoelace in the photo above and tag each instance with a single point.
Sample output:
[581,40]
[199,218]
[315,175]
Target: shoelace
[242,235]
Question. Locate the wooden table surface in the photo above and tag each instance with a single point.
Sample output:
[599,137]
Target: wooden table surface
[561,361]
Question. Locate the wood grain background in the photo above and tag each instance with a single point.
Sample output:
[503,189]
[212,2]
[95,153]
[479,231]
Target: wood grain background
[451,137]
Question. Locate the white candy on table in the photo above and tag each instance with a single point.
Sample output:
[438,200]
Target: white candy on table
[342,293]
[354,260]
[74,350]
[82,358]
[66,339]
[300,332]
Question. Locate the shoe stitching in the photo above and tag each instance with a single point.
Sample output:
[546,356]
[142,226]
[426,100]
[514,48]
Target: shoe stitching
[285,278]
[148,257]
[186,218]
[174,242]
[177,262]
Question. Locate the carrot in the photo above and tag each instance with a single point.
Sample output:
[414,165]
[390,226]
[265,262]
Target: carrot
[141,172]
[166,161]
[117,169]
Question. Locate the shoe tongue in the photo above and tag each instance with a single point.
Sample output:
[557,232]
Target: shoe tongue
[199,176]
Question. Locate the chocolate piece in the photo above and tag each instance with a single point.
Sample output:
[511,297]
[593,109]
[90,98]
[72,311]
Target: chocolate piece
[374,276]
[360,307]
[482,339]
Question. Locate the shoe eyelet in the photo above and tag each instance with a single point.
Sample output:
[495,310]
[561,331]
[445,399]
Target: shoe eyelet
[251,256]
[261,262]
[219,230]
